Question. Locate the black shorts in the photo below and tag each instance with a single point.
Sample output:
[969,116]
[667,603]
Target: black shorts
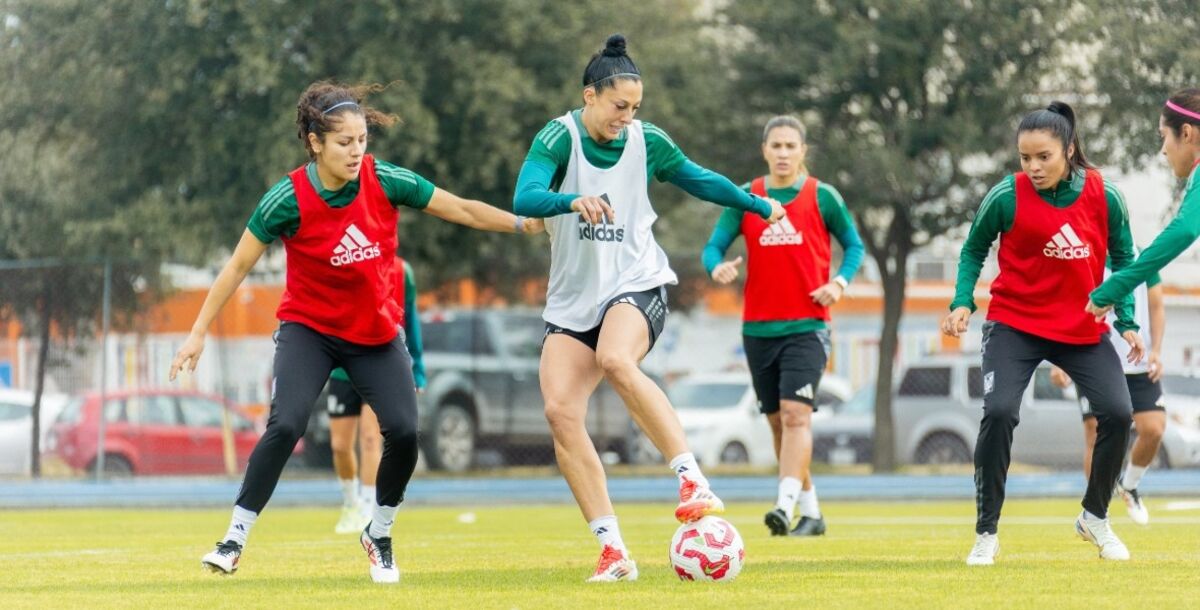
[344,400]
[788,367]
[1147,395]
[652,303]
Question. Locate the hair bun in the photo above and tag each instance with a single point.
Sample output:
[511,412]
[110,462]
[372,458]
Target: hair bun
[614,46]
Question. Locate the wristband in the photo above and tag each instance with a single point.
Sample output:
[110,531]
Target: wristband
[840,281]
[519,225]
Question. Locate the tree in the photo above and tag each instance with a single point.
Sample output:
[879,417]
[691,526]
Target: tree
[912,108]
[1143,52]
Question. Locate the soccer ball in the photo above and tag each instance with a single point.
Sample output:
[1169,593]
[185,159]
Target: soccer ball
[708,549]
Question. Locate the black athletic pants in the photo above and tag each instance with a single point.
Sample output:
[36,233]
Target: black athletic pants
[1010,358]
[382,374]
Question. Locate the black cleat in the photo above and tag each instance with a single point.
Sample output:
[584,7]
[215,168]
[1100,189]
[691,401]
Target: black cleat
[777,522]
[810,527]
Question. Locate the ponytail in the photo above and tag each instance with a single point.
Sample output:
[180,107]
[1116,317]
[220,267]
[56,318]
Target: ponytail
[1059,120]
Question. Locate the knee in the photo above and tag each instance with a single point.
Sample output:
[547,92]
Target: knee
[370,443]
[563,414]
[1152,430]
[795,419]
[341,444]
[618,368]
[287,429]
[1007,415]
[403,435]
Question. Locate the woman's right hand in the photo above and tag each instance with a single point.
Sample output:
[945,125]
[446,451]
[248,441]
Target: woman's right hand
[956,323]
[593,209]
[188,355]
[777,211]
[727,271]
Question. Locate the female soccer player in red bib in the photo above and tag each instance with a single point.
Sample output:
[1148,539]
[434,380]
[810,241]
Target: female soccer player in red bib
[787,297]
[1057,220]
[587,173]
[337,218]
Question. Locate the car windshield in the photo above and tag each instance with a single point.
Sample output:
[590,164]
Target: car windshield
[706,395]
[862,403]
[522,334]
[72,412]
[1181,384]
[10,411]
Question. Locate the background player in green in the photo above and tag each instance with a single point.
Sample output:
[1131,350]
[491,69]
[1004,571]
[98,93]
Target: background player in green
[1179,128]
[1145,391]
[587,173]
[1057,221]
[788,291]
[350,417]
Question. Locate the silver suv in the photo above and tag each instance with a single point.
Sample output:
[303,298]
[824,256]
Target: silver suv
[939,402]
[483,391]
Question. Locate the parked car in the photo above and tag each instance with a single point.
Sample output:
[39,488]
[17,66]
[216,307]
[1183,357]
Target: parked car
[152,432]
[483,392]
[16,427]
[844,433]
[721,420]
[1181,395]
[939,402]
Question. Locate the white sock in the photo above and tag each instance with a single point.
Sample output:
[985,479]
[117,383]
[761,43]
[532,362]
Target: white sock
[349,491]
[607,532]
[789,492]
[1088,515]
[240,524]
[1133,475]
[685,465]
[808,503]
[381,521]
[367,493]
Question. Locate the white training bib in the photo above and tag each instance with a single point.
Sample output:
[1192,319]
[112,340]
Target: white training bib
[1141,315]
[591,264]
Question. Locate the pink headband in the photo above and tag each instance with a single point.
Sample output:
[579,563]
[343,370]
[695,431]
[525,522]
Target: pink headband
[1181,110]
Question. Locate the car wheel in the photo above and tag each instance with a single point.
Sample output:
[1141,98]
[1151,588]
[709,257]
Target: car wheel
[114,466]
[735,453]
[451,444]
[943,448]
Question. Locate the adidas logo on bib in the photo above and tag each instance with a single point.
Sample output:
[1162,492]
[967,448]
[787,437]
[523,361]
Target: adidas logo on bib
[354,248]
[781,233]
[601,231]
[1066,245]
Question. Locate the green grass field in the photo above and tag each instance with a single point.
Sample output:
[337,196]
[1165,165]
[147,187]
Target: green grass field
[876,554]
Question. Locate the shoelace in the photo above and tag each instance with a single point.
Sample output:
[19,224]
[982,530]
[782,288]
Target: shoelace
[384,547]
[609,556]
[687,490]
[228,547]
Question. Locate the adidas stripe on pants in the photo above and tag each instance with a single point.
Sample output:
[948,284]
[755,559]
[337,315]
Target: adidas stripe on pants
[382,374]
[1010,358]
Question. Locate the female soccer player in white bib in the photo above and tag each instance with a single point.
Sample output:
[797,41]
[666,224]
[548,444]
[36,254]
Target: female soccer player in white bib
[587,173]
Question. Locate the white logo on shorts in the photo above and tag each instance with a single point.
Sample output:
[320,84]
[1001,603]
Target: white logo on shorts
[989,382]
[805,392]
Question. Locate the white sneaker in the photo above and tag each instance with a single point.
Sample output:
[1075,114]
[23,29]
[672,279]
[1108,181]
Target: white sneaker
[1133,505]
[987,546]
[379,552]
[614,565]
[224,558]
[351,522]
[1098,532]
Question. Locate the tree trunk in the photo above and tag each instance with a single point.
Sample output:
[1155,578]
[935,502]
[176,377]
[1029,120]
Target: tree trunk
[35,448]
[893,278]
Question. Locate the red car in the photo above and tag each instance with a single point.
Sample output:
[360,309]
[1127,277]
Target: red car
[161,431]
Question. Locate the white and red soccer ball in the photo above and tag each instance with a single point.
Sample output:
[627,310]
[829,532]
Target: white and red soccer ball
[709,549]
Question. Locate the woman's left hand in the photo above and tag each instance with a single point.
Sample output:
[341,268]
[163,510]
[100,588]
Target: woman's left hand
[827,295]
[1098,311]
[1136,348]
